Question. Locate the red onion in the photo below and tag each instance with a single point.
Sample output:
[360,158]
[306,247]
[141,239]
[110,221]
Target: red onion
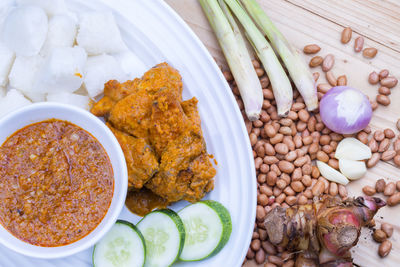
[345,110]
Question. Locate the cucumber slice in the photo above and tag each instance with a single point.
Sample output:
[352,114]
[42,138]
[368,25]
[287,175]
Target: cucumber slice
[122,246]
[164,236]
[208,227]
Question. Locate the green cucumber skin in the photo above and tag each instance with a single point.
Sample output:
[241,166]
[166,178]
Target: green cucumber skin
[179,224]
[225,218]
[131,225]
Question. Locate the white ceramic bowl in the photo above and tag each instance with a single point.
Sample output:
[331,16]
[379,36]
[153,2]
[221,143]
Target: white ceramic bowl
[43,111]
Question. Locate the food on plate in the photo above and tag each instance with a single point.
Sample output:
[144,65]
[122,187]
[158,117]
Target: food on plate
[7,57]
[345,110]
[122,246]
[208,227]
[51,7]
[98,33]
[62,70]
[57,183]
[281,85]
[351,148]
[324,231]
[100,69]
[161,138]
[24,30]
[234,48]
[61,32]
[164,235]
[331,174]
[13,100]
[295,64]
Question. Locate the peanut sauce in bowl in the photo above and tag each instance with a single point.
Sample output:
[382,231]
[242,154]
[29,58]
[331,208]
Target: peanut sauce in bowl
[63,180]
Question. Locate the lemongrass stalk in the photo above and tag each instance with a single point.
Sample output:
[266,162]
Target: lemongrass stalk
[280,83]
[298,69]
[234,48]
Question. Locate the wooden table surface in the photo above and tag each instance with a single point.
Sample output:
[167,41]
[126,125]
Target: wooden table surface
[321,22]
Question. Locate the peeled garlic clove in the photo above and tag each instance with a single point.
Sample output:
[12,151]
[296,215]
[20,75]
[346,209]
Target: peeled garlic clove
[352,169]
[331,174]
[351,148]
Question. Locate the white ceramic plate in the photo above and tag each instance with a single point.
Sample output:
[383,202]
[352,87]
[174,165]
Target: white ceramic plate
[155,33]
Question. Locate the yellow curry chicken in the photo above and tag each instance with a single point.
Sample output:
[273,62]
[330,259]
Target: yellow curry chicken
[161,137]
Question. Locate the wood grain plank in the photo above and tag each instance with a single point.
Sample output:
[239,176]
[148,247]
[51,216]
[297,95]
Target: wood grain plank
[321,22]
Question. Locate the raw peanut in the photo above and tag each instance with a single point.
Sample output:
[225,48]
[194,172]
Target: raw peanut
[398,185]
[281,184]
[279,199]
[398,124]
[379,235]
[269,248]
[373,78]
[363,137]
[250,254]
[308,193]
[255,245]
[307,140]
[269,149]
[333,189]
[289,191]
[260,213]
[396,161]
[394,199]
[306,180]
[358,44]
[255,234]
[324,140]
[301,126]
[311,49]
[260,256]
[297,174]
[384,90]
[315,172]
[389,82]
[276,139]
[263,234]
[370,52]
[297,141]
[262,199]
[390,189]
[327,149]
[330,77]
[387,228]
[257,162]
[285,121]
[328,62]
[374,105]
[281,148]
[380,185]
[388,155]
[285,177]
[264,168]
[291,156]
[258,123]
[266,104]
[265,189]
[369,190]
[275,260]
[304,115]
[373,160]
[300,161]
[342,191]
[315,61]
[346,35]
[260,72]
[323,87]
[318,188]
[383,100]
[288,140]
[297,106]
[260,151]
[336,137]
[383,74]
[253,139]
[262,178]
[264,82]
[256,63]
[384,145]
[342,80]
[297,186]
[385,248]
[271,178]
[228,76]
[302,200]
[276,169]
[379,135]
[291,200]
[285,130]
[306,169]
[315,76]
[322,156]
[286,166]
[270,130]
[289,263]
[314,147]
[334,163]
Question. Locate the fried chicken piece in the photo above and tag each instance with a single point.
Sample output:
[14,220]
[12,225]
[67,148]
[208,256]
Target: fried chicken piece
[140,158]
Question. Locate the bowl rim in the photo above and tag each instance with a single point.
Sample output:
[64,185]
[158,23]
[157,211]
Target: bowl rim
[111,215]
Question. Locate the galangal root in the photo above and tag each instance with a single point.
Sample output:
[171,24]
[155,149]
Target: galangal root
[323,232]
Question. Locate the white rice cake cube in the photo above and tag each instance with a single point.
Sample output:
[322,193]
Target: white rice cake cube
[51,7]
[61,33]
[98,71]
[34,97]
[132,66]
[7,58]
[12,101]
[62,70]
[2,91]
[80,101]
[98,33]
[24,30]
[23,72]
